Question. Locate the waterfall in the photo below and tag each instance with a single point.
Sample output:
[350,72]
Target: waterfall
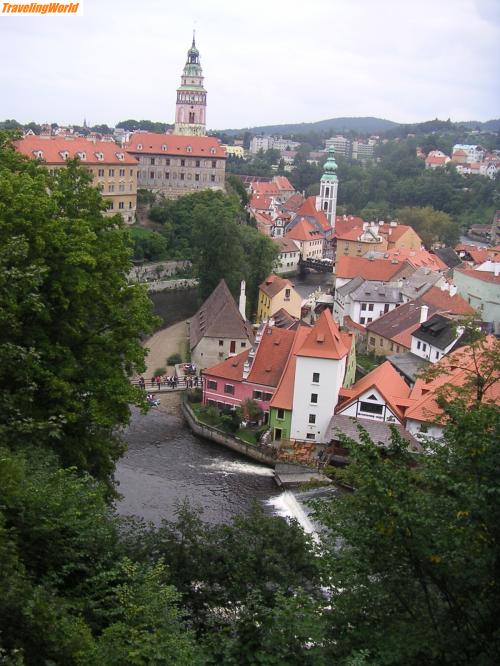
[287,506]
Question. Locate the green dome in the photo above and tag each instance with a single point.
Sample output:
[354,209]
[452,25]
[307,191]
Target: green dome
[330,166]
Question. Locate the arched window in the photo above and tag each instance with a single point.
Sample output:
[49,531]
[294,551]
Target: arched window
[327,191]
[139,146]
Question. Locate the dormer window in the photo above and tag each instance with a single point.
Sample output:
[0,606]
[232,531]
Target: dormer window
[120,156]
[64,154]
[164,146]
[38,154]
[100,156]
[213,151]
[139,146]
[189,149]
[82,156]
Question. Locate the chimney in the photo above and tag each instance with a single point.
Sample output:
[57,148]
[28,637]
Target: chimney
[453,290]
[424,311]
[243,300]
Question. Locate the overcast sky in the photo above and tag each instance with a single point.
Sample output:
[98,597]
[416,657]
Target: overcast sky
[265,61]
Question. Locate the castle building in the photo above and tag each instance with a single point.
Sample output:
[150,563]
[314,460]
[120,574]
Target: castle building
[191,105]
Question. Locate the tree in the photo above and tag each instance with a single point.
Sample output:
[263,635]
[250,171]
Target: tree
[413,552]
[70,321]
[433,226]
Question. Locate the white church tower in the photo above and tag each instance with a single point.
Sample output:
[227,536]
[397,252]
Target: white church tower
[327,199]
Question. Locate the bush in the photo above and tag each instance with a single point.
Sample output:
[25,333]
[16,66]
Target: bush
[195,395]
[159,371]
[174,359]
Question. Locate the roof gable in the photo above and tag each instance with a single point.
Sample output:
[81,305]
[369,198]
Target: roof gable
[324,339]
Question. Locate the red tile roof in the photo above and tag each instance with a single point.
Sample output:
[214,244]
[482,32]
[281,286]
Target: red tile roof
[53,148]
[283,184]
[324,339]
[231,368]
[294,202]
[308,208]
[286,244]
[283,398]
[387,381]
[260,202]
[175,144]
[455,305]
[458,368]
[271,357]
[417,258]
[368,269]
[355,235]
[478,254]
[304,231]
[273,284]
[261,189]
[394,234]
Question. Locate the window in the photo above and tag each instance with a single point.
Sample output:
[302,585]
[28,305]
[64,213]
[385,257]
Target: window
[437,354]
[362,320]
[152,160]
[167,175]
[370,408]
[243,344]
[314,398]
[267,396]
[229,389]
[131,172]
[386,308]
[232,347]
[214,164]
[381,342]
[111,205]
[281,414]
[111,187]
[197,163]
[363,306]
[100,172]
[424,347]
[182,176]
[121,187]
[419,344]
[315,377]
[310,435]
[257,395]
[167,162]
[221,343]
[111,172]
[372,340]
[197,176]
[287,294]
[212,178]
[121,205]
[370,307]
[152,175]
[183,162]
[312,418]
[130,204]
[212,385]
[122,173]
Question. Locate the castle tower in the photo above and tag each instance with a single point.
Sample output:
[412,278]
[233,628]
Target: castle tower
[190,109]
[327,199]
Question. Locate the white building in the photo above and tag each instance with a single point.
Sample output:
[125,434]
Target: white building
[319,373]
[289,256]
[435,337]
[365,301]
[474,152]
[327,200]
[340,144]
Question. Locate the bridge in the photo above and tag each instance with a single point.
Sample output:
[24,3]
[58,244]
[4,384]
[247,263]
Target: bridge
[318,265]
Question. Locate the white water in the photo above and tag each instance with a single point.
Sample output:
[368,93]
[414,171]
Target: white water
[287,506]
[237,467]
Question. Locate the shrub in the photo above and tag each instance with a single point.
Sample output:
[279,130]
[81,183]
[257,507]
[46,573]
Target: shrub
[195,395]
[159,371]
[174,359]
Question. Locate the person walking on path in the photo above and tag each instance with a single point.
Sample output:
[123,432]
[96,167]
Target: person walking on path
[142,383]
[158,382]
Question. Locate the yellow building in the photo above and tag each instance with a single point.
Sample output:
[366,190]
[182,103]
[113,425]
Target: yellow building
[276,293]
[114,171]
[235,151]
[359,241]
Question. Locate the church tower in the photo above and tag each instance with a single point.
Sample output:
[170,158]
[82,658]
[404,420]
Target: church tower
[327,200]
[191,103]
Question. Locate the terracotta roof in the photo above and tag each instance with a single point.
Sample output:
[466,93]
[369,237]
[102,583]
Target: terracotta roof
[286,244]
[308,209]
[394,234]
[283,397]
[304,231]
[484,276]
[273,284]
[368,269]
[324,339]
[231,368]
[219,317]
[387,381]
[283,183]
[356,233]
[294,202]
[478,254]
[458,367]
[416,258]
[53,148]
[347,339]
[350,323]
[454,305]
[283,319]
[260,202]
[271,357]
[437,159]
[260,188]
[176,144]
[261,218]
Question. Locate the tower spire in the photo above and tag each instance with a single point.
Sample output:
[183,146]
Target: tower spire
[191,96]
[193,45]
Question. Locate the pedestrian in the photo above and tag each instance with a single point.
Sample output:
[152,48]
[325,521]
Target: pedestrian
[158,382]
[153,380]
[142,383]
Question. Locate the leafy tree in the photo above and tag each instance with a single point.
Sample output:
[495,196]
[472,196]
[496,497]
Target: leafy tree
[236,184]
[431,225]
[260,254]
[149,245]
[414,551]
[70,322]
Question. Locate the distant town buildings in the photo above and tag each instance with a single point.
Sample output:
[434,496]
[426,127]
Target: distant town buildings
[355,149]
[265,143]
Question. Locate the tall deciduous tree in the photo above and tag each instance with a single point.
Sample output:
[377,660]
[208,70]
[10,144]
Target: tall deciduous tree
[69,321]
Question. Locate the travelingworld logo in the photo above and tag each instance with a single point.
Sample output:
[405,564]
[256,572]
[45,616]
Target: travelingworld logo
[42,8]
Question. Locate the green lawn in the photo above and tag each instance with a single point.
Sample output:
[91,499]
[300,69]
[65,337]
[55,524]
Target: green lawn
[368,363]
[247,435]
